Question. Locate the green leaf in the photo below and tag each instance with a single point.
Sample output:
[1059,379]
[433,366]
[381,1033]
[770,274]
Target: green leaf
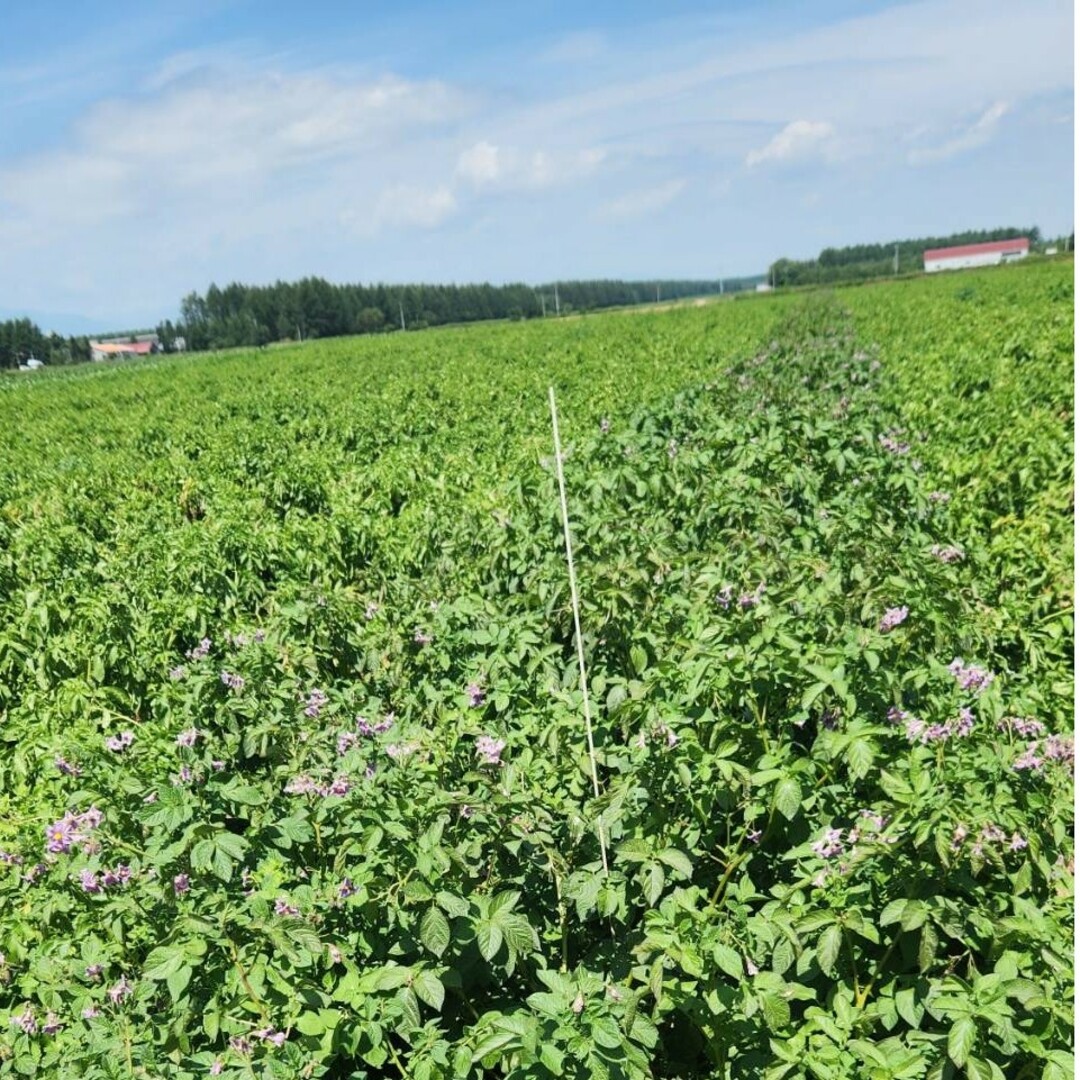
[429,989]
[907,1007]
[551,1057]
[454,906]
[776,1010]
[163,962]
[928,943]
[388,977]
[310,1023]
[892,912]
[222,864]
[178,981]
[860,757]
[245,794]
[787,798]
[914,914]
[828,947]
[654,883]
[961,1039]
[435,931]
[728,961]
[679,861]
[489,939]
[606,1032]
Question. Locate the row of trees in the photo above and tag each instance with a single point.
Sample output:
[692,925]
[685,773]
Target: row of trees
[859,262]
[21,340]
[258,314]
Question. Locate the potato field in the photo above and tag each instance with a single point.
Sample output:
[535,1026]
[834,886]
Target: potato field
[293,771]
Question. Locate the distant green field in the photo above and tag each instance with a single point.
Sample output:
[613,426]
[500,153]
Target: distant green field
[292,767]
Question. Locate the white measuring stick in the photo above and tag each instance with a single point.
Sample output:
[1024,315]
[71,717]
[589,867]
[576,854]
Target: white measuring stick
[577,619]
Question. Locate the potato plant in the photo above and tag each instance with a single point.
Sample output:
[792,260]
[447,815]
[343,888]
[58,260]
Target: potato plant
[293,779]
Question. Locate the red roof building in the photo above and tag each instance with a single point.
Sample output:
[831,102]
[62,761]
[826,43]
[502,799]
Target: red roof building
[988,254]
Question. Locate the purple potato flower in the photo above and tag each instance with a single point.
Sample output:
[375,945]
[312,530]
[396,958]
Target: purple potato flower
[830,845]
[892,619]
[201,651]
[88,880]
[316,699]
[970,678]
[947,554]
[118,744]
[26,1021]
[489,750]
[476,695]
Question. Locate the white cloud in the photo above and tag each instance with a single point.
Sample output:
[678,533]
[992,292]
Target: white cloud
[645,201]
[974,136]
[404,204]
[801,139]
[217,164]
[479,164]
[485,165]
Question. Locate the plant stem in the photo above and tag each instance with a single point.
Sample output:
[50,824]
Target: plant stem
[723,882]
[256,1000]
[861,998]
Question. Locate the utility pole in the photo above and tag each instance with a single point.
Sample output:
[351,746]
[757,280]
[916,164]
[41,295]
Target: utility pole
[401,312]
[658,292]
[556,299]
[896,260]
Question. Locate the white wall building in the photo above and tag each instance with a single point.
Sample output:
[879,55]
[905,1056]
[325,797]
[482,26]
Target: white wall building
[967,255]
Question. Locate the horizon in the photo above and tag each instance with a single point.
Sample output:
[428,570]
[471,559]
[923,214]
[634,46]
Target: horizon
[218,141]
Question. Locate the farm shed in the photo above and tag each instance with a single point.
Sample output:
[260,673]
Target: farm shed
[988,254]
[105,350]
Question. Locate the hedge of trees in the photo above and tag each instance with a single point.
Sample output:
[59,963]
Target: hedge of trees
[258,314]
[861,261]
[21,339]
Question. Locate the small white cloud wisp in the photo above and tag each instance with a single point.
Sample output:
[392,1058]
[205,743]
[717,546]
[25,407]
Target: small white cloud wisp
[976,135]
[801,139]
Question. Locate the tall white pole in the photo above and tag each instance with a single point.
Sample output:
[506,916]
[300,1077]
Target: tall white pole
[401,312]
[577,620]
[556,299]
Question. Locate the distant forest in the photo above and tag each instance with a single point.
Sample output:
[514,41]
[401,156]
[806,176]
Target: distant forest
[21,339]
[314,308]
[244,315]
[863,261]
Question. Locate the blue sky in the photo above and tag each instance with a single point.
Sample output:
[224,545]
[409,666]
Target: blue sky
[147,149]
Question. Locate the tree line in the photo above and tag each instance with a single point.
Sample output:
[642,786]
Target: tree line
[22,340]
[314,308]
[859,262]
